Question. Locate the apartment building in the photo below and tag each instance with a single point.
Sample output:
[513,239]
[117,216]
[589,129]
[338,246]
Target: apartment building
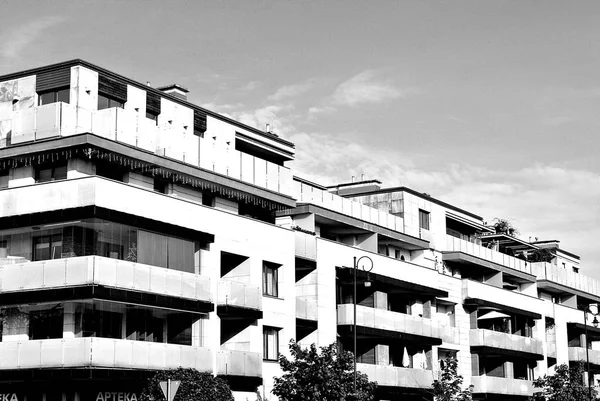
[140,232]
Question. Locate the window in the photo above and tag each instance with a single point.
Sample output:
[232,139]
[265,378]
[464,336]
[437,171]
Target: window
[270,343]
[270,279]
[60,95]
[47,247]
[51,173]
[3,178]
[46,324]
[423,219]
[105,102]
[154,117]
[161,186]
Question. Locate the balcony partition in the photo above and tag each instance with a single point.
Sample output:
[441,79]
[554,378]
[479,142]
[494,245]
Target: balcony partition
[102,353]
[306,309]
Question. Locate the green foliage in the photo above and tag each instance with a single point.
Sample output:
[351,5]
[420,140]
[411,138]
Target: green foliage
[503,226]
[195,386]
[449,386]
[566,384]
[327,375]
[540,255]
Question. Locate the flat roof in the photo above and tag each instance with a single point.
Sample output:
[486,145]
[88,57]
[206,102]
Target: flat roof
[74,62]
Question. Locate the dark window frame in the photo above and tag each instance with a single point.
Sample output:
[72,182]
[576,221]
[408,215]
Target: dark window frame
[424,219]
[57,172]
[274,268]
[54,96]
[111,102]
[267,331]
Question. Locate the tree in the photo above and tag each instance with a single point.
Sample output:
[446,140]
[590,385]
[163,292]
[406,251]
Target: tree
[540,255]
[566,384]
[503,226]
[327,375]
[195,386]
[449,386]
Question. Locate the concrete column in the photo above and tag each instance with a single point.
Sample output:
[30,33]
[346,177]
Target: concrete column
[382,354]
[509,370]
[380,300]
[494,279]
[21,176]
[473,319]
[427,307]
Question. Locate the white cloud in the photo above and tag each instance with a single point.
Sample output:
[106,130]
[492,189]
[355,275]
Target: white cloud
[250,86]
[289,91]
[366,88]
[14,42]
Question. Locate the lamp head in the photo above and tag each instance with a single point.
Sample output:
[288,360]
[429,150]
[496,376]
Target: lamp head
[595,321]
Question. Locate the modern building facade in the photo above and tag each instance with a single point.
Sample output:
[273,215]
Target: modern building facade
[140,232]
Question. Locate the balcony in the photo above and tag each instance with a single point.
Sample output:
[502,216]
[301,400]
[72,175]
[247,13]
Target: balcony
[476,293]
[579,354]
[391,323]
[556,275]
[102,353]
[100,272]
[306,245]
[239,363]
[397,377]
[238,300]
[306,193]
[500,385]
[508,342]
[454,244]
[126,126]
[306,309]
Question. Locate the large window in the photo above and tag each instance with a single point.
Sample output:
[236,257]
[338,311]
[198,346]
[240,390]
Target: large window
[46,324]
[54,96]
[270,343]
[102,238]
[142,325]
[270,279]
[105,102]
[423,219]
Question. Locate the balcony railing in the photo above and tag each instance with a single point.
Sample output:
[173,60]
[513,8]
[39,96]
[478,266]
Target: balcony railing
[454,244]
[578,354]
[306,309]
[306,245]
[102,353]
[388,320]
[500,385]
[476,290]
[62,119]
[511,342]
[96,270]
[233,293]
[239,363]
[547,271]
[397,377]
[308,194]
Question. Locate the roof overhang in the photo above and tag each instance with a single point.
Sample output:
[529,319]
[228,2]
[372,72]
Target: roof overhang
[475,262]
[482,303]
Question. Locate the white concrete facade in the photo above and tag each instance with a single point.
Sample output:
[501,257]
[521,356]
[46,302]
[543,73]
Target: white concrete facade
[181,239]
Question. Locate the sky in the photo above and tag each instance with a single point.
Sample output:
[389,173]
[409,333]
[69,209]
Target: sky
[492,106]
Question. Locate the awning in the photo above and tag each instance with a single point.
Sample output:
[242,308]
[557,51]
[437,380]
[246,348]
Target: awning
[493,315]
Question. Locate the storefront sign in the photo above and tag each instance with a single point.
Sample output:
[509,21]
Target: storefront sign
[109,396]
[8,397]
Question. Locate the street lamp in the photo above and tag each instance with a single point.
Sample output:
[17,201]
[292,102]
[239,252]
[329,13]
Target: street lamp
[593,309]
[366,266]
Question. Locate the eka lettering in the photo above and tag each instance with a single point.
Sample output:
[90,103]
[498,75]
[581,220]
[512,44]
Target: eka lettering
[9,397]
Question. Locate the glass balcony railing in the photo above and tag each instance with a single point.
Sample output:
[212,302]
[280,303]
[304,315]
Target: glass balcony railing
[579,354]
[239,363]
[501,385]
[96,270]
[238,294]
[306,309]
[306,245]
[102,353]
[126,126]
[547,271]
[511,342]
[396,376]
[454,244]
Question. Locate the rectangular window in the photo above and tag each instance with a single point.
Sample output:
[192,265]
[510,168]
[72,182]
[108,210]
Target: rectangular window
[270,343]
[152,116]
[54,96]
[179,329]
[46,324]
[270,279]
[423,219]
[102,323]
[47,247]
[105,102]
[3,178]
[45,173]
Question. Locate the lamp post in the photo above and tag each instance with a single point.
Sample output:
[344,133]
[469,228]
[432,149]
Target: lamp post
[367,284]
[588,309]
